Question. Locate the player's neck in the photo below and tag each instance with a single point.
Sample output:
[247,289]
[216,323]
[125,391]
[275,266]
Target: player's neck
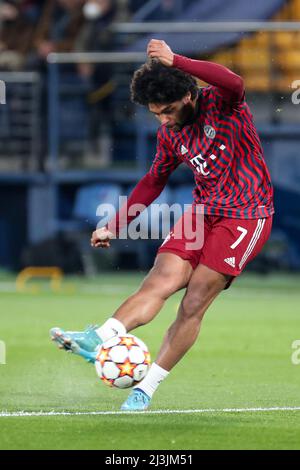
[193,114]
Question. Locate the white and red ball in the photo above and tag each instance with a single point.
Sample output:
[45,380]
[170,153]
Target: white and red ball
[122,361]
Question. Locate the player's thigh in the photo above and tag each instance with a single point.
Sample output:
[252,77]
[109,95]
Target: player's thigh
[169,274]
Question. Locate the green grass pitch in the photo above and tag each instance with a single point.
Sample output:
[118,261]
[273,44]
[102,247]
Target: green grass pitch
[242,360]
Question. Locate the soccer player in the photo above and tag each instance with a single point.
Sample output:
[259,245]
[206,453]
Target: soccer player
[211,130]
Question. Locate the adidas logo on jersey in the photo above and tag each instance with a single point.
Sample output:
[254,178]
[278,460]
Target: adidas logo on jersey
[230,261]
[183,150]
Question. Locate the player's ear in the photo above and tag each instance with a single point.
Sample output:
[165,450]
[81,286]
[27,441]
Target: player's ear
[187,98]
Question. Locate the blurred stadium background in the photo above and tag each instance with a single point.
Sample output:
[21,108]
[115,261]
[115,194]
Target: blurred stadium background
[71,138]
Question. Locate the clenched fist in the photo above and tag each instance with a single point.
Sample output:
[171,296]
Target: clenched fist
[161,51]
[101,238]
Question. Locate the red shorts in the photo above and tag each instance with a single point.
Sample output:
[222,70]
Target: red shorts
[227,246]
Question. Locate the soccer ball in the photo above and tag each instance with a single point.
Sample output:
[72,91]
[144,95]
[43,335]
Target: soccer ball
[122,361]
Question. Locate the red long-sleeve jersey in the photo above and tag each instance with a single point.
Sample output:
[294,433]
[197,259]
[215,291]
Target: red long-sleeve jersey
[221,146]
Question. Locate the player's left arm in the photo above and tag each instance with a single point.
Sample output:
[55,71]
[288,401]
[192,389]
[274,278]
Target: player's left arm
[230,85]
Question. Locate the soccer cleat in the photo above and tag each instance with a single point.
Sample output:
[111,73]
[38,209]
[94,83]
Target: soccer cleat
[83,343]
[137,401]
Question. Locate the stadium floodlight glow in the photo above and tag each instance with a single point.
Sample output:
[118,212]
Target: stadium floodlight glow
[2,92]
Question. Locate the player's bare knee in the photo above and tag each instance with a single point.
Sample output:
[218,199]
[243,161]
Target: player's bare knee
[195,300]
[191,306]
[161,281]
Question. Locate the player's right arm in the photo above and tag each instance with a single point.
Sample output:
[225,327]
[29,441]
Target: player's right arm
[230,85]
[144,193]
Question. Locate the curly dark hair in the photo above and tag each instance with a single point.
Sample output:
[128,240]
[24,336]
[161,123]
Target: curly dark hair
[156,83]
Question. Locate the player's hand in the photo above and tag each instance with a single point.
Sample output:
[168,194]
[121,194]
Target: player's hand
[161,51]
[101,238]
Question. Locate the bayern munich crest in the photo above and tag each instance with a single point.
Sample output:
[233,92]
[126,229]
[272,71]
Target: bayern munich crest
[210,132]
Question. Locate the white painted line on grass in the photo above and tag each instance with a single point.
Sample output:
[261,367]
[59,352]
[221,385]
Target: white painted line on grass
[22,414]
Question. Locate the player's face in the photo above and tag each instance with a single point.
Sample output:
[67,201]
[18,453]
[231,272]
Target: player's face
[174,115]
